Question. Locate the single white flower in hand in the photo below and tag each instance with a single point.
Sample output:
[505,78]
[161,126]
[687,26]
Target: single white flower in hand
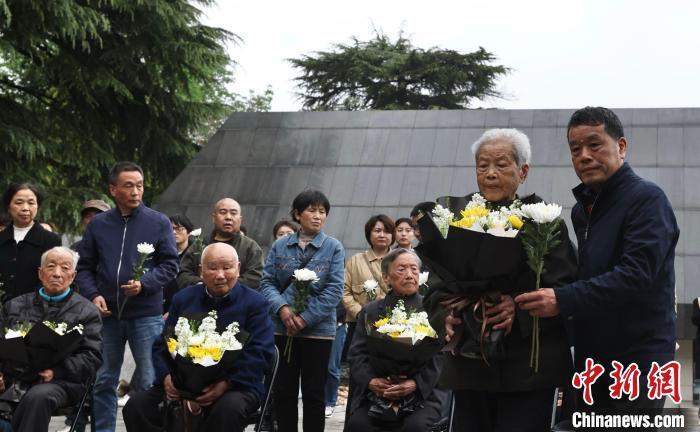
[145,248]
[196,232]
[423,278]
[541,212]
[305,275]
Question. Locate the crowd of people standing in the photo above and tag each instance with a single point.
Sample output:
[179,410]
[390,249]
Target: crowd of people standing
[592,300]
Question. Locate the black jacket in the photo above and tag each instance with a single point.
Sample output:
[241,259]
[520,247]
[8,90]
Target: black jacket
[623,304]
[358,356]
[74,309]
[512,373]
[19,261]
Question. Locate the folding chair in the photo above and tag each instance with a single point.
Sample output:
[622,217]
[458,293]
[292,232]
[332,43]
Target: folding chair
[270,376]
[76,410]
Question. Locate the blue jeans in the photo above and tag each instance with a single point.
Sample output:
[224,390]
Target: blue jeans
[5,426]
[141,333]
[333,379]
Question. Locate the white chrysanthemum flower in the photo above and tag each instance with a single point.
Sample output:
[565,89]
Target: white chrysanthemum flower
[476,201]
[305,275]
[370,286]
[145,248]
[541,212]
[196,232]
[442,218]
[11,334]
[423,278]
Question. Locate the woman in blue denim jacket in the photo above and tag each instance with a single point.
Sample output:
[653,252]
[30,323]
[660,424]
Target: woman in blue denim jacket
[312,329]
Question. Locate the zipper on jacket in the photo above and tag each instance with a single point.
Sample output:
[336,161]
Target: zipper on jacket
[590,216]
[119,266]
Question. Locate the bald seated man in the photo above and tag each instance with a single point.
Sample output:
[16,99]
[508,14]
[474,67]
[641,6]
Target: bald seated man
[226,217]
[225,404]
[63,383]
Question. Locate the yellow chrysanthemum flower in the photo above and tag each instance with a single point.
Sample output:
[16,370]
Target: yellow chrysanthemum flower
[515,221]
[215,353]
[469,217]
[426,330]
[381,322]
[196,352]
[395,334]
[172,345]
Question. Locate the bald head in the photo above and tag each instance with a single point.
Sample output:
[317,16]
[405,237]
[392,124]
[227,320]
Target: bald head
[219,268]
[226,217]
[219,250]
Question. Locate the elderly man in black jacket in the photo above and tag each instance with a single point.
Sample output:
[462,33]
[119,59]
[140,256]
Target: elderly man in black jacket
[623,301]
[400,270]
[63,383]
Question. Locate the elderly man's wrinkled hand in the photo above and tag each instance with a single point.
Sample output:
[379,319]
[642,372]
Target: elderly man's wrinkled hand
[171,392]
[212,392]
[378,386]
[541,303]
[2,382]
[401,389]
[501,315]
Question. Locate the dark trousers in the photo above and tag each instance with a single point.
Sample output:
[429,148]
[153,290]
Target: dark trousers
[348,339]
[309,361]
[420,420]
[229,413]
[35,408]
[483,411]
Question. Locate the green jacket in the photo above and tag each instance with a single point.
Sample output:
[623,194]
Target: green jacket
[250,256]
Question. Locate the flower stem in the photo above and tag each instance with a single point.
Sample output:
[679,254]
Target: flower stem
[535,350]
[288,349]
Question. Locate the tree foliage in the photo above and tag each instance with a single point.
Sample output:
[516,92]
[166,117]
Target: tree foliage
[86,83]
[381,74]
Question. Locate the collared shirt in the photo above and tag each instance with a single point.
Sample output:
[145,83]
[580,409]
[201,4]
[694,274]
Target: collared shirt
[361,268]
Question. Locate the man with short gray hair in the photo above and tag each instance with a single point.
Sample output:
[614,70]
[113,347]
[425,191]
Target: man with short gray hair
[64,383]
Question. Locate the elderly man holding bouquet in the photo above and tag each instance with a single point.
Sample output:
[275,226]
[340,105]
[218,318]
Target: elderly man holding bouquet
[394,357]
[503,366]
[236,387]
[64,331]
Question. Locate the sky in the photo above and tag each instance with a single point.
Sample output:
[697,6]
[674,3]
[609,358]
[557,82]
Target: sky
[563,53]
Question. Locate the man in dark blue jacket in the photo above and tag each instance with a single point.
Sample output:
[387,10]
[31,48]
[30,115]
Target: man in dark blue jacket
[225,404]
[131,305]
[623,304]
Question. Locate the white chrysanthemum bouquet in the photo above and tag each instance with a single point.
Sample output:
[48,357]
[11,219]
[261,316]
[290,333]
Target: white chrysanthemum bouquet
[400,324]
[198,355]
[201,343]
[476,216]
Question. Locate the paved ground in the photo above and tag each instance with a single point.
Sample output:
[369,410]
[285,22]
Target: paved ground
[333,424]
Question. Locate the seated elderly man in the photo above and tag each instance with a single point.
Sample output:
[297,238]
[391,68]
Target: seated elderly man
[400,271]
[64,383]
[225,404]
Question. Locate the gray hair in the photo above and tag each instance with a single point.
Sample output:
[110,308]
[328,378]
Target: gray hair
[61,249]
[206,250]
[391,257]
[519,141]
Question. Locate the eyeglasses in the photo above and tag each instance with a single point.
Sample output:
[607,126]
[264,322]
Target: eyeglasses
[179,229]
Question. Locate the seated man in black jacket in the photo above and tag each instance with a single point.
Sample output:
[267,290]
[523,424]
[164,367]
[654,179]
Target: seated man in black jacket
[64,383]
[400,270]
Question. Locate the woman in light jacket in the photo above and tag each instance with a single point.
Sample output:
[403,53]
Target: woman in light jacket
[312,329]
